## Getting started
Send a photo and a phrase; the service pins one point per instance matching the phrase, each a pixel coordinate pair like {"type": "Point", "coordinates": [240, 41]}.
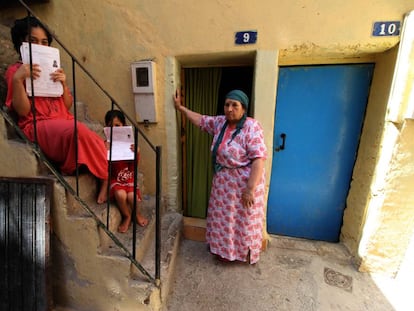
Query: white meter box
{"type": "Point", "coordinates": [144, 89]}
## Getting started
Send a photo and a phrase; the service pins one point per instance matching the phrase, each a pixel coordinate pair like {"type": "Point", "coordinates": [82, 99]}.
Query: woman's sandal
{"type": "Point", "coordinates": [222, 259]}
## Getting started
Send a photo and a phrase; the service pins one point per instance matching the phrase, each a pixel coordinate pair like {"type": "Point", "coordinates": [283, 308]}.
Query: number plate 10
{"type": "Point", "coordinates": [386, 29]}
{"type": "Point", "coordinates": [246, 37]}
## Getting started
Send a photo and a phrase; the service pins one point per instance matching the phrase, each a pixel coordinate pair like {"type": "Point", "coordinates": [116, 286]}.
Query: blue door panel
{"type": "Point", "coordinates": [320, 110]}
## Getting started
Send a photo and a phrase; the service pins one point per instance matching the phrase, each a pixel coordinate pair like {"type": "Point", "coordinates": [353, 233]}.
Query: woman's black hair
{"type": "Point", "coordinates": [111, 114]}
{"type": "Point", "coordinates": [20, 31]}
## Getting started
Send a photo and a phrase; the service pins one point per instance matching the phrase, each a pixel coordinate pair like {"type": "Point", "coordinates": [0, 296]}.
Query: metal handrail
{"type": "Point", "coordinates": [75, 193]}
{"type": "Point", "coordinates": [67, 186]}
{"type": "Point", "coordinates": [73, 57]}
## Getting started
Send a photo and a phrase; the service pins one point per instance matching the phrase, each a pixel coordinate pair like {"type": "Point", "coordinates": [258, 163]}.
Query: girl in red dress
{"type": "Point", "coordinates": [54, 123]}
{"type": "Point", "coordinates": [122, 180]}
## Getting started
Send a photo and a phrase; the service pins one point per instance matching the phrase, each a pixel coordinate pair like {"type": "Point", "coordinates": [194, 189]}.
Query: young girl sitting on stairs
{"type": "Point", "coordinates": [122, 180]}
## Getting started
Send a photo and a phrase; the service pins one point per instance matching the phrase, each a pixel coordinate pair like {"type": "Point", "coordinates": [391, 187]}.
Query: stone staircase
{"type": "Point", "coordinates": [88, 271]}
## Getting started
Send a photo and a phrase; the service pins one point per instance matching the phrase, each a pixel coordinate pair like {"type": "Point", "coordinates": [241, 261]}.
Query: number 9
{"type": "Point", "coordinates": [246, 37]}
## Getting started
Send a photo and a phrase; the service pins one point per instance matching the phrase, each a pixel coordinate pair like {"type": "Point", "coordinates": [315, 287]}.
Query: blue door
{"type": "Point", "coordinates": [318, 120]}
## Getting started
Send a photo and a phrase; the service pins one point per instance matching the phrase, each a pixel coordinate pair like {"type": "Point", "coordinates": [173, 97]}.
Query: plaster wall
{"type": "Point", "coordinates": [13, 155]}
{"type": "Point", "coordinates": [388, 226]}
{"type": "Point", "coordinates": [363, 185]}
{"type": "Point", "coordinates": [106, 36]}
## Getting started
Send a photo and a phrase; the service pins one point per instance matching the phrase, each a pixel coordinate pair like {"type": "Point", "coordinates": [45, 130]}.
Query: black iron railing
{"type": "Point", "coordinates": [130, 253]}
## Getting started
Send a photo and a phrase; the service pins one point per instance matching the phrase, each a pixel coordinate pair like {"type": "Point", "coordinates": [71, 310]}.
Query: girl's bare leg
{"type": "Point", "coordinates": [103, 192]}
{"type": "Point", "coordinates": [121, 201]}
{"type": "Point", "coordinates": [141, 219]}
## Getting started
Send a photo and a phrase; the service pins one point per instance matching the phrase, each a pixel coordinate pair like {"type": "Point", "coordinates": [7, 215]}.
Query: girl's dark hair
{"type": "Point", "coordinates": [111, 114]}
{"type": "Point", "coordinates": [21, 29]}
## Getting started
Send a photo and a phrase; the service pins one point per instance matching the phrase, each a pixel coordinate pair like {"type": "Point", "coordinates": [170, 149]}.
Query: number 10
{"type": "Point", "coordinates": [391, 29]}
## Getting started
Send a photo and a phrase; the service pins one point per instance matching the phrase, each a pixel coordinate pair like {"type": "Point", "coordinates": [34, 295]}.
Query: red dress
{"type": "Point", "coordinates": [55, 133]}
{"type": "Point", "coordinates": [122, 178]}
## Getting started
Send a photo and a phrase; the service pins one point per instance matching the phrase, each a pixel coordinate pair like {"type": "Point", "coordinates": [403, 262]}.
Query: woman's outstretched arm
{"type": "Point", "coordinates": [194, 117]}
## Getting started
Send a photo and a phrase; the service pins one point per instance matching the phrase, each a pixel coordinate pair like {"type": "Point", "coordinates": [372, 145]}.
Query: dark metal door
{"type": "Point", "coordinates": [24, 236]}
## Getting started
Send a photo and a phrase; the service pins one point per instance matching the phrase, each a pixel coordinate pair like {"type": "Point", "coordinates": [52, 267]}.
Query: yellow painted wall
{"type": "Point", "coordinates": [362, 191]}
{"type": "Point", "coordinates": [13, 154]}
{"type": "Point", "coordinates": [390, 227]}
{"type": "Point", "coordinates": [107, 35]}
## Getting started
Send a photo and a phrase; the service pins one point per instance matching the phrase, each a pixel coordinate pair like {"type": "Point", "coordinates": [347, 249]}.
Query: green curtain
{"type": "Point", "coordinates": [201, 95]}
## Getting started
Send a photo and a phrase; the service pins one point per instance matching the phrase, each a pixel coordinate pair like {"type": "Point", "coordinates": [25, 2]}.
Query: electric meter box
{"type": "Point", "coordinates": [144, 90]}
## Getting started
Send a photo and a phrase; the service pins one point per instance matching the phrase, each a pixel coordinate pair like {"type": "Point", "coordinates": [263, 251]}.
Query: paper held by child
{"type": "Point", "coordinates": [122, 139]}
{"type": "Point", "coordinates": [48, 58]}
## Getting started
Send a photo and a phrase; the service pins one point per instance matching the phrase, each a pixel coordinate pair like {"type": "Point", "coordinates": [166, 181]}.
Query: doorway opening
{"type": "Point", "coordinates": [204, 91]}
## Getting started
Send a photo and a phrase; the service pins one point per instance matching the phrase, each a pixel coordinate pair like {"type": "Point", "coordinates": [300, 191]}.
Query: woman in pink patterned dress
{"type": "Point", "coordinates": [236, 206]}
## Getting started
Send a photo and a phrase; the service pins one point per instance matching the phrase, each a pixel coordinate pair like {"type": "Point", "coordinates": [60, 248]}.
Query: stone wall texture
{"type": "Point", "coordinates": [106, 36]}
{"type": "Point", "coordinates": [7, 57]}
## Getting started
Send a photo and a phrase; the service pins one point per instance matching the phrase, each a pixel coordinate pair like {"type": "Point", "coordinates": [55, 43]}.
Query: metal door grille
{"type": "Point", "coordinates": [24, 236]}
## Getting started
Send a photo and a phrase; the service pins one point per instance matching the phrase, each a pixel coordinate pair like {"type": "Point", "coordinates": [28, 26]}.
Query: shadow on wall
{"type": "Point", "coordinates": [15, 3]}
{"type": "Point", "coordinates": [7, 56]}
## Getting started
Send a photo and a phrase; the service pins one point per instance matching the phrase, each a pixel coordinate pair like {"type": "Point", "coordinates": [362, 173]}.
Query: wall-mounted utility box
{"type": "Point", "coordinates": [144, 89]}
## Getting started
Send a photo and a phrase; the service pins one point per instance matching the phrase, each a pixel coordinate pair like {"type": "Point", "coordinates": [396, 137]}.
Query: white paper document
{"type": "Point", "coordinates": [48, 58]}
{"type": "Point", "coordinates": [122, 139]}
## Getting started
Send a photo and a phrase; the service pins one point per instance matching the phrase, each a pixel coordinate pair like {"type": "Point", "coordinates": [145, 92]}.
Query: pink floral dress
{"type": "Point", "coordinates": [232, 230]}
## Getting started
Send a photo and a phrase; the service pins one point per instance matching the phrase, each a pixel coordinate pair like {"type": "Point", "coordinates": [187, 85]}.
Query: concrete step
{"type": "Point", "coordinates": [171, 231]}
{"type": "Point", "coordinates": [143, 235]}
{"type": "Point", "coordinates": [87, 271]}
{"type": "Point", "coordinates": [87, 191]}
{"type": "Point", "coordinates": [86, 250]}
